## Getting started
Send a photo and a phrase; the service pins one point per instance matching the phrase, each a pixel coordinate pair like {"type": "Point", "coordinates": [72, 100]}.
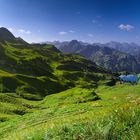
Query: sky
{"type": "Point", "coordinates": [63, 20]}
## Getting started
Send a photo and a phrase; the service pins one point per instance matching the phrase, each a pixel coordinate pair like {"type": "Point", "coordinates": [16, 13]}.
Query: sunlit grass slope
{"type": "Point", "coordinates": [78, 114]}
{"type": "Point", "coordinates": [34, 71]}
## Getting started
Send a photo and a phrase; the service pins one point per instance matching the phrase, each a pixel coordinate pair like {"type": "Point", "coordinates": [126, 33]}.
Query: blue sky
{"type": "Point", "coordinates": [85, 20]}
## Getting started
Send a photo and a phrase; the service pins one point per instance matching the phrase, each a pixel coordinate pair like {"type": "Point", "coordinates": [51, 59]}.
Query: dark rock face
{"type": "Point", "coordinates": [6, 35]}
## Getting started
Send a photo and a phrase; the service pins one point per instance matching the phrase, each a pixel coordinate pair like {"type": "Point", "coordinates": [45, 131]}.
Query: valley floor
{"type": "Point", "coordinates": [75, 114]}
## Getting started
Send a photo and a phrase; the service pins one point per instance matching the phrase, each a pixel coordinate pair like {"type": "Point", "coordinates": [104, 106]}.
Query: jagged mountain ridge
{"type": "Point", "coordinates": [104, 55]}
{"type": "Point", "coordinates": [130, 48]}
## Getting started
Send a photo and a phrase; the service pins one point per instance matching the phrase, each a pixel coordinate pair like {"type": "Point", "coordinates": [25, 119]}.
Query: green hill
{"type": "Point", "coordinates": [47, 95]}
{"type": "Point", "coordinates": [77, 113]}
{"type": "Point", "coordinates": [34, 70]}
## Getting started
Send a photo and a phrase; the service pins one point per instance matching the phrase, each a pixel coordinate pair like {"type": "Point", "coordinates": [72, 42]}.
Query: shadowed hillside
{"type": "Point", "coordinates": [34, 70]}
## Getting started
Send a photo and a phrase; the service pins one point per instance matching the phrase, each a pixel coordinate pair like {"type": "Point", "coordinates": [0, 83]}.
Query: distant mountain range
{"type": "Point", "coordinates": [115, 56]}
{"type": "Point", "coordinates": [130, 48]}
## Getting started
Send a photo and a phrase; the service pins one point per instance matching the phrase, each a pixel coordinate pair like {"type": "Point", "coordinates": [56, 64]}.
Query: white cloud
{"type": "Point", "coordinates": [24, 31]}
{"type": "Point", "coordinates": [90, 35]}
{"type": "Point", "coordinates": [62, 33]}
{"type": "Point", "coordinates": [21, 30]}
{"type": "Point", "coordinates": [10, 29]}
{"type": "Point", "coordinates": [71, 31]}
{"type": "Point", "coordinates": [28, 32]}
{"type": "Point", "coordinates": [126, 27]}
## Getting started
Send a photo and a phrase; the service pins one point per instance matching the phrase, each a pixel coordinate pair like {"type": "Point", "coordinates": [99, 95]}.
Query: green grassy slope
{"type": "Point", "coordinates": [34, 71]}
{"type": "Point", "coordinates": [77, 114]}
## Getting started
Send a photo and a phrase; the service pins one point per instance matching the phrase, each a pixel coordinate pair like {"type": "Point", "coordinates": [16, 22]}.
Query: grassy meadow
{"type": "Point", "coordinates": [108, 112]}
